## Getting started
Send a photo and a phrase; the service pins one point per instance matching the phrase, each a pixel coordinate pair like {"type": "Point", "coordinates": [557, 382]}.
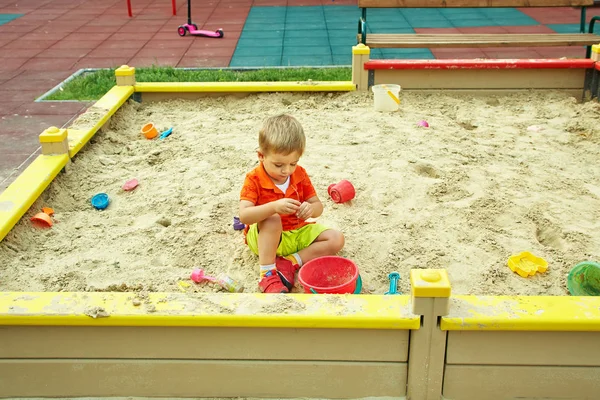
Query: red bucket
{"type": "Point", "coordinates": [330, 274]}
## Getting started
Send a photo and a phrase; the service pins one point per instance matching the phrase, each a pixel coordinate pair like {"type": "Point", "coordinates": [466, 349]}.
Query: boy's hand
{"type": "Point", "coordinates": [305, 211]}
{"type": "Point", "coordinates": [287, 206]}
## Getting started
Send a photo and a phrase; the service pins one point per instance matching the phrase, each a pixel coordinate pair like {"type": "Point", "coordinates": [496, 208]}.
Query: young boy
{"type": "Point", "coordinates": [276, 200]}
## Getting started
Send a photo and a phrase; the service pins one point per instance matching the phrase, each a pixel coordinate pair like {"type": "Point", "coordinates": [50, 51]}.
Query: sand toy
{"type": "Point", "coordinates": [130, 185]}
{"type": "Point", "coordinates": [42, 219]}
{"type": "Point", "coordinates": [394, 278]}
{"type": "Point", "coordinates": [342, 191]}
{"type": "Point", "coordinates": [165, 133]}
{"type": "Point", "coordinates": [237, 225]}
{"type": "Point", "coordinates": [100, 201]}
{"type": "Point", "coordinates": [223, 280]}
{"type": "Point", "coordinates": [526, 264]}
{"type": "Point", "coordinates": [584, 279]}
{"type": "Point", "coordinates": [149, 131]}
{"type": "Point", "coordinates": [330, 274]}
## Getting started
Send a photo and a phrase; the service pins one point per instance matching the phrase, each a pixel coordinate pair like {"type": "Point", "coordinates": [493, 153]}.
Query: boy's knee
{"type": "Point", "coordinates": [272, 223]}
{"type": "Point", "coordinates": [337, 241]}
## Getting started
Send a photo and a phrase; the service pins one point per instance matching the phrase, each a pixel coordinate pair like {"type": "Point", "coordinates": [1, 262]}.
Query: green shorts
{"type": "Point", "coordinates": [291, 241]}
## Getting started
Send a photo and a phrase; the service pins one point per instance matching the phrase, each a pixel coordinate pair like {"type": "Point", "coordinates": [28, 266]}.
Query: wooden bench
{"type": "Point", "coordinates": [388, 40]}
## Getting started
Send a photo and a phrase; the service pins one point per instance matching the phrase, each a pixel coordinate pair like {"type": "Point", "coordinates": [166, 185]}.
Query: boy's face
{"type": "Point", "coordinates": [279, 166]}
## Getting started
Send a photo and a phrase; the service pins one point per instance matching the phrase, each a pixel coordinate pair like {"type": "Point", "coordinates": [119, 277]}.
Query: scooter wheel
{"type": "Point", "coordinates": [220, 32]}
{"type": "Point", "coordinates": [195, 27]}
{"type": "Point", "coordinates": [181, 30]}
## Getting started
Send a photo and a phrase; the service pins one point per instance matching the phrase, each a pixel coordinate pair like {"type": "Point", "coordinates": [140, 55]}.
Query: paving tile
{"type": "Point", "coordinates": [9, 108]}
{"type": "Point", "coordinates": [9, 64]}
{"type": "Point", "coordinates": [264, 42]}
{"type": "Point", "coordinates": [482, 29]}
{"type": "Point", "coordinates": [262, 50]}
{"type": "Point", "coordinates": [342, 59]}
{"type": "Point", "coordinates": [52, 108]}
{"type": "Point", "coordinates": [188, 62]}
{"type": "Point", "coordinates": [25, 84]}
{"type": "Point", "coordinates": [306, 51]}
{"type": "Point", "coordinates": [133, 27]}
{"type": "Point", "coordinates": [11, 165]}
{"type": "Point", "coordinates": [446, 54]}
{"type": "Point", "coordinates": [306, 60]}
{"type": "Point", "coordinates": [312, 42]}
{"type": "Point", "coordinates": [111, 53]}
{"type": "Point", "coordinates": [19, 53]}
{"type": "Point", "coordinates": [161, 53]}
{"type": "Point", "coordinates": [49, 64]}
{"type": "Point", "coordinates": [18, 95]}
{"type": "Point", "coordinates": [510, 53]}
{"type": "Point", "coordinates": [122, 44]}
{"type": "Point", "coordinates": [211, 51]}
{"type": "Point", "coordinates": [565, 28]}
{"type": "Point", "coordinates": [256, 61]}
{"type": "Point", "coordinates": [63, 53]}
{"type": "Point", "coordinates": [407, 54]}
{"type": "Point", "coordinates": [76, 44]}
{"type": "Point", "coordinates": [45, 35]}
{"type": "Point", "coordinates": [8, 75]}
{"type": "Point", "coordinates": [528, 29]}
{"type": "Point", "coordinates": [129, 36]}
{"type": "Point", "coordinates": [150, 61]}
{"type": "Point", "coordinates": [29, 44]}
{"type": "Point", "coordinates": [168, 44]}
{"type": "Point", "coordinates": [109, 62]}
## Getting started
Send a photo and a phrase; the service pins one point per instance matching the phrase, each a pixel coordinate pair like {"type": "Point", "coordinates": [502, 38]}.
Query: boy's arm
{"type": "Point", "coordinates": [251, 214]}
{"type": "Point", "coordinates": [317, 206]}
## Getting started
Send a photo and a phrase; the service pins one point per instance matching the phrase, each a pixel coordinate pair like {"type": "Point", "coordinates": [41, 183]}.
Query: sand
{"type": "Point", "coordinates": [492, 176]}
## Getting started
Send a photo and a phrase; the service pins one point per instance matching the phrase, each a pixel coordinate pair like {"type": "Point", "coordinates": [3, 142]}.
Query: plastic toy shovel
{"type": "Point", "coordinates": [394, 278]}
{"type": "Point", "coordinates": [165, 133]}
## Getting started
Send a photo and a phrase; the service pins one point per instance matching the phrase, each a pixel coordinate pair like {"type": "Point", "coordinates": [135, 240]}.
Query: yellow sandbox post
{"type": "Point", "coordinates": [54, 141]}
{"type": "Point", "coordinates": [360, 76]}
{"type": "Point", "coordinates": [430, 293]}
{"type": "Point", "coordinates": [595, 52]}
{"type": "Point", "coordinates": [125, 75]}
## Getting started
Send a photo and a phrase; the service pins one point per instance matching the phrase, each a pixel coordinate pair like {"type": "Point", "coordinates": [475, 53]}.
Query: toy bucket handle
{"type": "Point", "coordinates": [357, 290]}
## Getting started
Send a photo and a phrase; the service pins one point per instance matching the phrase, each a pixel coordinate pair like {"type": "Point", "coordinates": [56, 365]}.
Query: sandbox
{"type": "Point", "coordinates": [101, 303]}
{"type": "Point", "coordinates": [463, 194]}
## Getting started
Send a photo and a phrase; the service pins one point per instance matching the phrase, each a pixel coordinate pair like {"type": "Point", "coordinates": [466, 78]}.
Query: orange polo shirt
{"type": "Point", "coordinates": [259, 189]}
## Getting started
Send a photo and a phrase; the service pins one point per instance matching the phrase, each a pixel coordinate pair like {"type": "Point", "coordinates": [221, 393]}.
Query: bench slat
{"type": "Point", "coordinates": [472, 3]}
{"type": "Point", "coordinates": [389, 40]}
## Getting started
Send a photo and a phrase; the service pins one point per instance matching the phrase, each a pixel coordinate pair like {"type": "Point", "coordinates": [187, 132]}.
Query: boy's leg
{"type": "Point", "coordinates": [263, 239]}
{"type": "Point", "coordinates": [328, 243]}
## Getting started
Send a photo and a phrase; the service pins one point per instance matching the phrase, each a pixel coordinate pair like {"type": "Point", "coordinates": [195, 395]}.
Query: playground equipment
{"type": "Point", "coordinates": [192, 28]}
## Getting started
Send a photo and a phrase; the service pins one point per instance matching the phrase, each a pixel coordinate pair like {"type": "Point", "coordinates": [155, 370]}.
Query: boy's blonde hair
{"type": "Point", "coordinates": [281, 134]}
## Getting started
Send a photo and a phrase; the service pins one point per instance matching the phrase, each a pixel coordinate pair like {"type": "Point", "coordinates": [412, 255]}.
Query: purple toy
{"type": "Point", "coordinates": [423, 124]}
{"type": "Point", "coordinates": [237, 225]}
{"type": "Point", "coordinates": [193, 28]}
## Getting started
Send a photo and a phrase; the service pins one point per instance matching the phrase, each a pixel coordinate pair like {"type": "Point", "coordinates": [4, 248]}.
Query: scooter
{"type": "Point", "coordinates": [192, 28]}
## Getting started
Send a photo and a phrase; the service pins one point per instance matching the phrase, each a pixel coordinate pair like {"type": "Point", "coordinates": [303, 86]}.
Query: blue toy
{"type": "Point", "coordinates": [394, 278]}
{"type": "Point", "coordinates": [100, 201]}
{"type": "Point", "coordinates": [165, 133]}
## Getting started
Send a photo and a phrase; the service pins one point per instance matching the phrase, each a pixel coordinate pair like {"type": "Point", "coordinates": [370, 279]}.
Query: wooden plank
{"type": "Point", "coordinates": [523, 348]}
{"type": "Point", "coordinates": [471, 3]}
{"type": "Point", "coordinates": [177, 378]}
{"type": "Point", "coordinates": [478, 382]}
{"type": "Point", "coordinates": [461, 79]}
{"type": "Point", "coordinates": [390, 40]}
{"type": "Point", "coordinates": [191, 343]}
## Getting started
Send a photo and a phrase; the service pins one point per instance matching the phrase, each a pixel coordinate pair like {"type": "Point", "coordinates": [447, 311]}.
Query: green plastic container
{"type": "Point", "coordinates": [584, 279]}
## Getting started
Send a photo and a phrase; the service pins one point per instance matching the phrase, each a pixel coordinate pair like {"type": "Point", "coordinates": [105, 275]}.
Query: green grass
{"type": "Point", "coordinates": [93, 85]}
